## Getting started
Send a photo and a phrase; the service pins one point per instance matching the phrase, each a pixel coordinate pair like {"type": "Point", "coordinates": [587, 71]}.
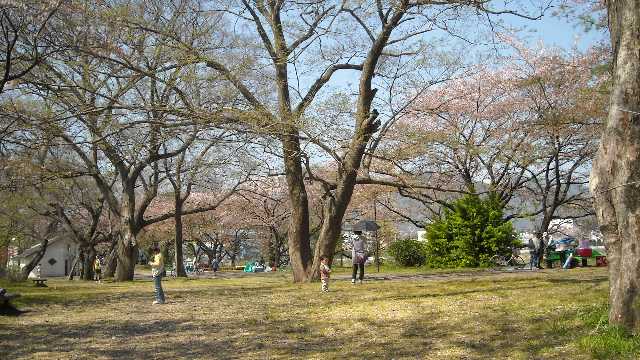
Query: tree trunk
{"type": "Point", "coordinates": [51, 227]}
{"type": "Point", "coordinates": [329, 234]}
{"type": "Point", "coordinates": [87, 263]}
{"type": "Point", "coordinates": [235, 249]}
{"type": "Point", "coordinates": [209, 251]}
{"type": "Point", "coordinates": [335, 207]}
{"type": "Point", "coordinates": [270, 249]}
{"type": "Point", "coordinates": [179, 256]}
{"type": "Point", "coordinates": [220, 254]}
{"type": "Point", "coordinates": [127, 254]}
{"type": "Point", "coordinates": [127, 246]}
{"type": "Point", "coordinates": [4, 258]}
{"type": "Point", "coordinates": [616, 169]}
{"type": "Point", "coordinates": [36, 259]}
{"type": "Point", "coordinates": [367, 124]}
{"type": "Point", "coordinates": [544, 227]}
{"type": "Point", "coordinates": [298, 236]}
{"type": "Point", "coordinates": [111, 260]}
{"type": "Point", "coordinates": [276, 241]}
{"type": "Point", "coordinates": [76, 260]}
{"type": "Point", "coordinates": [540, 251]}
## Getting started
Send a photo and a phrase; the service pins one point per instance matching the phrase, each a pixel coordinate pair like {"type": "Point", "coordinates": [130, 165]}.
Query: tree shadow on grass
{"type": "Point", "coordinates": [427, 294]}
{"type": "Point", "coordinates": [593, 280]}
{"type": "Point", "coordinates": [498, 336]}
{"type": "Point", "coordinates": [283, 321]}
{"type": "Point", "coordinates": [106, 295]}
{"type": "Point", "coordinates": [120, 339]}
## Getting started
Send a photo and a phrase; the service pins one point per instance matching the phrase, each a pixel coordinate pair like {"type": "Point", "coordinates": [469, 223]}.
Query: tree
{"type": "Point", "coordinates": [134, 114]}
{"type": "Point", "coordinates": [28, 202]}
{"type": "Point", "coordinates": [265, 206]}
{"type": "Point", "coordinates": [568, 96]}
{"type": "Point", "coordinates": [383, 46]}
{"type": "Point", "coordinates": [616, 169]}
{"type": "Point", "coordinates": [205, 234]}
{"type": "Point", "coordinates": [81, 215]}
{"type": "Point", "coordinates": [523, 129]}
{"type": "Point", "coordinates": [286, 118]}
{"type": "Point", "coordinates": [190, 169]}
{"type": "Point", "coordinates": [26, 37]}
{"type": "Point", "coordinates": [126, 80]}
{"type": "Point", "coordinates": [470, 234]}
{"type": "Point", "coordinates": [288, 33]}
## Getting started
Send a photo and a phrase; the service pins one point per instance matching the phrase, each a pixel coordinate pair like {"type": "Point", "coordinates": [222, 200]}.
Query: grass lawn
{"type": "Point", "coordinates": [550, 314]}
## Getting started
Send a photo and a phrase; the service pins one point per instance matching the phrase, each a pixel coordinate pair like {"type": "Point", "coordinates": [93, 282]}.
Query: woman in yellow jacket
{"type": "Point", "coordinates": [157, 267]}
{"type": "Point", "coordinates": [97, 270]}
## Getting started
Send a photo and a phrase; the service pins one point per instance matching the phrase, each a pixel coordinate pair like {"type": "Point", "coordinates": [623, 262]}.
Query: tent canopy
{"type": "Point", "coordinates": [365, 225]}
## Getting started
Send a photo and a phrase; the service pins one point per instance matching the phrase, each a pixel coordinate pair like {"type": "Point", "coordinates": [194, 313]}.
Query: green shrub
{"type": "Point", "coordinates": [408, 252]}
{"type": "Point", "coordinates": [13, 273]}
{"type": "Point", "coordinates": [469, 234]}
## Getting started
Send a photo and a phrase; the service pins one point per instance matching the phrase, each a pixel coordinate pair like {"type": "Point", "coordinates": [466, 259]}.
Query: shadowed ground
{"type": "Point", "coordinates": [474, 315]}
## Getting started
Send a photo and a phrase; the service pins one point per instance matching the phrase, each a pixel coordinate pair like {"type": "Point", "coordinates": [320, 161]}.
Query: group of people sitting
{"type": "Point", "coordinates": [258, 266]}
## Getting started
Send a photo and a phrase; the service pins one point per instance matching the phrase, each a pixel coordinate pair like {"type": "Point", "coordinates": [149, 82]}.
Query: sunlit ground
{"type": "Point", "coordinates": [476, 315]}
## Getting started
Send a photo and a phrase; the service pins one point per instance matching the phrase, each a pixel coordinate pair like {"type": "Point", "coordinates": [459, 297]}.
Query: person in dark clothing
{"type": "Point", "coordinates": [215, 265]}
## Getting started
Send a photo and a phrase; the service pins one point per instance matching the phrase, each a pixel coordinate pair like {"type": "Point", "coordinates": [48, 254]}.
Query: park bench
{"type": "Point", "coordinates": [40, 282]}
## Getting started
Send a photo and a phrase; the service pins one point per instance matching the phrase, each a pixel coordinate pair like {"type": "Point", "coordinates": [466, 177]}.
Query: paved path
{"type": "Point", "coordinates": [454, 275]}
{"type": "Point", "coordinates": [142, 274]}
{"type": "Point", "coordinates": [373, 276]}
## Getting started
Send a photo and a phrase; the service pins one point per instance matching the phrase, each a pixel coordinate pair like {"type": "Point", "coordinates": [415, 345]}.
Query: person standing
{"type": "Point", "coordinates": [325, 270]}
{"type": "Point", "coordinates": [215, 266]}
{"type": "Point", "coordinates": [359, 256]}
{"type": "Point", "coordinates": [538, 246]}
{"type": "Point", "coordinates": [157, 267]}
{"type": "Point", "coordinates": [534, 252]}
{"type": "Point", "coordinates": [97, 270]}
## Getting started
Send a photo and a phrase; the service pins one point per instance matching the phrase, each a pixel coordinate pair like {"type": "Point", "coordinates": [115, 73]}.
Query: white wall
{"type": "Point", "coordinates": [60, 250]}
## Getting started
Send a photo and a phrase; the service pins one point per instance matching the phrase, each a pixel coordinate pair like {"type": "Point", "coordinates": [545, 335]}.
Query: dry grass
{"type": "Point", "coordinates": [478, 315]}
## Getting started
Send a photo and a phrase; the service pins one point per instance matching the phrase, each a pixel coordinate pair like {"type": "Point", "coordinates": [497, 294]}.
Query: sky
{"type": "Point", "coordinates": [550, 31]}
{"type": "Point", "coordinates": [555, 31]}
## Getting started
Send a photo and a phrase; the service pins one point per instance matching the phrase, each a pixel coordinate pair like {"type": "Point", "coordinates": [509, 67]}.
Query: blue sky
{"type": "Point", "coordinates": [551, 30]}
{"type": "Point", "coordinates": [556, 31]}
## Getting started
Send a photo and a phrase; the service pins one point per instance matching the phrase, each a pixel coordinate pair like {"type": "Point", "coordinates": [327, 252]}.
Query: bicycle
{"type": "Point", "coordinates": [515, 260]}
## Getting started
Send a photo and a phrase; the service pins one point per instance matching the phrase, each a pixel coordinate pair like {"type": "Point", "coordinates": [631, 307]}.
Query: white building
{"type": "Point", "coordinates": [57, 259]}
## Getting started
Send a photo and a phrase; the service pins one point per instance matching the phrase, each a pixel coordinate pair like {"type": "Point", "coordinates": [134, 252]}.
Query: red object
{"type": "Point", "coordinates": [584, 252]}
{"type": "Point", "coordinates": [601, 261]}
